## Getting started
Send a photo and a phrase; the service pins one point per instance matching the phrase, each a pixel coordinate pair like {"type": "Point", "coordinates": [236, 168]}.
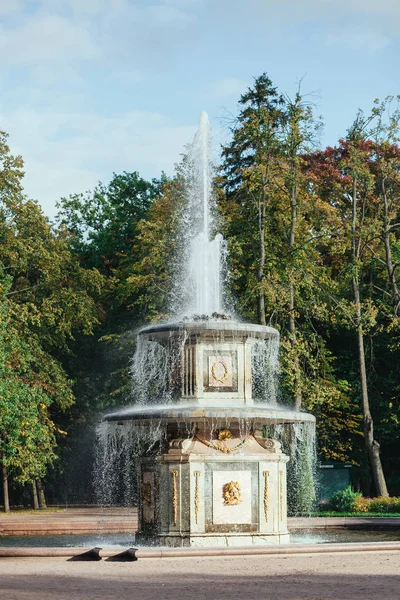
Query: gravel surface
{"type": "Point", "coordinates": [363, 576]}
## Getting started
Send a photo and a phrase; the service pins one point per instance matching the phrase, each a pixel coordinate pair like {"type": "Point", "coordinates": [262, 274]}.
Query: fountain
{"type": "Point", "coordinates": [202, 438]}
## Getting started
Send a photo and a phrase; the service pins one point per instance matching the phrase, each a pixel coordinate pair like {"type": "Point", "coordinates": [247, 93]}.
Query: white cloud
{"type": "Point", "coordinates": [70, 152]}
{"type": "Point", "coordinates": [225, 88]}
{"type": "Point", "coordinates": [47, 39]}
{"type": "Point", "coordinates": [390, 8]}
{"type": "Point", "coordinates": [337, 7]}
{"type": "Point", "coordinates": [358, 39]}
{"type": "Point", "coordinates": [69, 60]}
{"type": "Point", "coordinates": [10, 6]}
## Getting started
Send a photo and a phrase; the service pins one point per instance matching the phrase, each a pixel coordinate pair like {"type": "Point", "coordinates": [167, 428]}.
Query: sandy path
{"type": "Point", "coordinates": [363, 576]}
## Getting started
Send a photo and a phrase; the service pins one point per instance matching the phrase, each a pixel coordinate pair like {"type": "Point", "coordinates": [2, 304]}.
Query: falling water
{"type": "Point", "coordinates": [154, 370]}
{"type": "Point", "coordinates": [199, 294]}
{"type": "Point", "coordinates": [116, 460]}
{"type": "Point", "coordinates": [265, 370]}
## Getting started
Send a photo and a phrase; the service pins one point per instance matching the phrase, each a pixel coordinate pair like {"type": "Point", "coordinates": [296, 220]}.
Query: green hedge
{"type": "Point", "coordinates": [348, 500]}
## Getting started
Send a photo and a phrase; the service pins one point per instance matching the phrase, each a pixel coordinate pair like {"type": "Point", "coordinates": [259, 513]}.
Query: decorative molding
{"type": "Point", "coordinates": [220, 378]}
{"type": "Point", "coordinates": [180, 443]}
{"type": "Point", "coordinates": [232, 493]}
{"type": "Point", "coordinates": [268, 444]}
{"type": "Point", "coordinates": [266, 494]}
{"type": "Point", "coordinates": [174, 475]}
{"type": "Point", "coordinates": [196, 496]}
{"type": "Point", "coordinates": [220, 370]}
{"type": "Point", "coordinates": [220, 445]}
{"type": "Point", "coordinates": [224, 434]}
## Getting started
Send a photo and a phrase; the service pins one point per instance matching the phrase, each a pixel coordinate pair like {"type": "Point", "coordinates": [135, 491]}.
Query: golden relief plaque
{"type": "Point", "coordinates": [232, 493]}
{"type": "Point", "coordinates": [224, 434]}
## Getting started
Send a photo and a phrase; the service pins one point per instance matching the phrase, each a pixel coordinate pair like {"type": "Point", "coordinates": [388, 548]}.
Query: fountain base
{"type": "Point", "coordinates": [208, 475]}
{"type": "Point", "coordinates": [214, 489]}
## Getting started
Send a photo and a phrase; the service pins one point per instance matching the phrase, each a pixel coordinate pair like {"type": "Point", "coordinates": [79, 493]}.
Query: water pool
{"type": "Point", "coordinates": [126, 540]}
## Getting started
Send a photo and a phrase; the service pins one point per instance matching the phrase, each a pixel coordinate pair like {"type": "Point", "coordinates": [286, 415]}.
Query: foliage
{"type": "Point", "coordinates": [72, 297]}
{"type": "Point", "coordinates": [103, 222]}
{"type": "Point", "coordinates": [46, 299]}
{"type": "Point", "coordinates": [344, 500]}
{"type": "Point", "coordinates": [384, 505]}
{"type": "Point", "coordinates": [270, 137]}
{"type": "Point", "coordinates": [354, 502]}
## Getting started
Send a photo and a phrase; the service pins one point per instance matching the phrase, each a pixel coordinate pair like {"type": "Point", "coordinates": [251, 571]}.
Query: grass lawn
{"type": "Point", "coordinates": [332, 513]}
{"type": "Point", "coordinates": [16, 510]}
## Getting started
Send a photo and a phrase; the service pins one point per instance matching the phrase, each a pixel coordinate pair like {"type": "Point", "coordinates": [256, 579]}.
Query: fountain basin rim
{"type": "Point", "coordinates": [200, 413]}
{"type": "Point", "coordinates": [228, 327]}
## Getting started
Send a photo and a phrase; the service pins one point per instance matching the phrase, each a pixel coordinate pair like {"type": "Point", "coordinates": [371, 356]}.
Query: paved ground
{"type": "Point", "coordinates": [69, 521]}
{"type": "Point", "coordinates": [313, 577]}
{"type": "Point", "coordinates": [72, 512]}
{"type": "Point", "coordinates": [96, 520]}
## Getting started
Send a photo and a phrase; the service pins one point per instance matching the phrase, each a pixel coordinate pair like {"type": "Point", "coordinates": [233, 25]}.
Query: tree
{"type": "Point", "coordinates": [250, 162]}
{"type": "Point", "coordinates": [27, 435]}
{"type": "Point", "coordinates": [103, 222]}
{"type": "Point", "coordinates": [385, 166]}
{"type": "Point", "coordinates": [345, 179]}
{"type": "Point", "coordinates": [46, 299]}
{"type": "Point", "coordinates": [297, 229]}
{"type": "Point", "coordinates": [299, 134]}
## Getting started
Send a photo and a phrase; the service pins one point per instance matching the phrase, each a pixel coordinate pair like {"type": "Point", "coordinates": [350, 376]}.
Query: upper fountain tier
{"type": "Point", "coordinates": [213, 366]}
{"type": "Point", "coordinates": [216, 359]}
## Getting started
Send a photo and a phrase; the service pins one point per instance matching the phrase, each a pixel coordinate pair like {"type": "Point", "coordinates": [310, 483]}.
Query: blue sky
{"type": "Point", "coordinates": [92, 87]}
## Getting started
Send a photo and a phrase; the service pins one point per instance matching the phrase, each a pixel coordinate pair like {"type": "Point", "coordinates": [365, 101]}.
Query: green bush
{"type": "Point", "coordinates": [345, 500]}
{"type": "Point", "coordinates": [350, 501]}
{"type": "Point", "coordinates": [384, 505]}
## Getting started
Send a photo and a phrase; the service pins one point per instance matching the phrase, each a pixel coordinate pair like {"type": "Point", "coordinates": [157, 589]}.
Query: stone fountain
{"type": "Point", "coordinates": [208, 472]}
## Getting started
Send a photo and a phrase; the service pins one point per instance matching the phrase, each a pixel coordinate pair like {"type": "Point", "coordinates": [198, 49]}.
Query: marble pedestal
{"type": "Point", "coordinates": [214, 489]}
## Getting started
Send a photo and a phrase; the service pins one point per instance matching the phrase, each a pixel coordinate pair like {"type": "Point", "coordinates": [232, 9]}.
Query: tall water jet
{"type": "Point", "coordinates": [204, 437]}
{"type": "Point", "coordinates": [200, 274]}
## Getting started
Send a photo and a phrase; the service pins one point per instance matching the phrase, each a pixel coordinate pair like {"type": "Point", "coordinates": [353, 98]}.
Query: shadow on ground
{"type": "Point", "coordinates": [107, 586]}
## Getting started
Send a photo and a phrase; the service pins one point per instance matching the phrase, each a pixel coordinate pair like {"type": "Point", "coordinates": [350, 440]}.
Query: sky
{"type": "Point", "coordinates": [93, 87]}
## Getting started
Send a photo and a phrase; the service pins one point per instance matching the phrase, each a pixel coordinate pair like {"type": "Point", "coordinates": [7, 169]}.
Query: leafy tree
{"type": "Point", "coordinates": [249, 168]}
{"type": "Point", "coordinates": [27, 434]}
{"type": "Point", "coordinates": [300, 131]}
{"type": "Point", "coordinates": [46, 299]}
{"type": "Point", "coordinates": [346, 178]}
{"type": "Point", "coordinates": [296, 225]}
{"type": "Point", "coordinates": [103, 222]}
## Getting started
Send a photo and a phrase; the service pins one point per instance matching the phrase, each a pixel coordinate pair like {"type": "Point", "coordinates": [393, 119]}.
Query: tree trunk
{"type": "Point", "coordinates": [35, 496]}
{"type": "Point", "coordinates": [292, 323]}
{"type": "Point", "coordinates": [372, 445]}
{"type": "Point", "coordinates": [5, 489]}
{"type": "Point", "coordinates": [261, 264]}
{"type": "Point", "coordinates": [388, 252]}
{"type": "Point", "coordinates": [373, 448]}
{"type": "Point", "coordinates": [42, 497]}
{"type": "Point", "coordinates": [292, 330]}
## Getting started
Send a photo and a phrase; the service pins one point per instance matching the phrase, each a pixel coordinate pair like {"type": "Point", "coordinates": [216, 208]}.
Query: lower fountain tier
{"type": "Point", "coordinates": [214, 488]}
{"type": "Point", "coordinates": [209, 476]}
{"type": "Point", "coordinates": [256, 415]}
